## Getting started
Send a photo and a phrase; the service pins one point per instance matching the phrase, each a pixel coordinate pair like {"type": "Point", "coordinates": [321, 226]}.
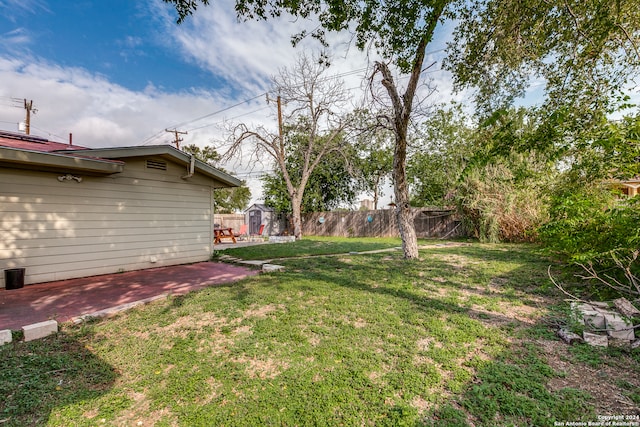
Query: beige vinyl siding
{"type": "Point", "coordinates": [132, 220]}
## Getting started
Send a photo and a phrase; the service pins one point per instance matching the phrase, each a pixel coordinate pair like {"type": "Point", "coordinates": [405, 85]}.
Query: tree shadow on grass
{"type": "Point", "coordinates": [508, 389]}
{"type": "Point", "coordinates": [40, 377]}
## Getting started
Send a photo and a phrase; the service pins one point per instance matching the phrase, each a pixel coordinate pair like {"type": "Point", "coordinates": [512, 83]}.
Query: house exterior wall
{"type": "Point", "coordinates": [136, 219]}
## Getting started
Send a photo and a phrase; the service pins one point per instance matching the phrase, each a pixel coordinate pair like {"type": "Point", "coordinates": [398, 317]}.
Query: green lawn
{"type": "Point", "coordinates": [457, 338]}
{"type": "Point", "coordinates": [314, 246]}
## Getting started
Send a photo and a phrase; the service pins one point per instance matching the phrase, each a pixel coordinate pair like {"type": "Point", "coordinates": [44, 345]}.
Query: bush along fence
{"type": "Point", "coordinates": [382, 223]}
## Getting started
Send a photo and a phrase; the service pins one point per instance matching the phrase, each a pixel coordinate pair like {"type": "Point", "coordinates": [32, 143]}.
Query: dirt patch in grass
{"type": "Point", "coordinates": [261, 312]}
{"type": "Point", "coordinates": [262, 368]}
{"type": "Point", "coordinates": [601, 382]}
{"type": "Point", "coordinates": [421, 404]}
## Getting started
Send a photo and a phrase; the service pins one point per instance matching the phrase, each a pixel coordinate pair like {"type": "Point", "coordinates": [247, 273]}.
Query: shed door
{"type": "Point", "coordinates": [255, 219]}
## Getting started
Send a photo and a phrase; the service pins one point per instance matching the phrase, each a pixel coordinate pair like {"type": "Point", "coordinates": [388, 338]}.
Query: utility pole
{"type": "Point", "coordinates": [280, 120]}
{"type": "Point", "coordinates": [280, 129]}
{"type": "Point", "coordinates": [29, 107]}
{"type": "Point", "coordinates": [177, 140]}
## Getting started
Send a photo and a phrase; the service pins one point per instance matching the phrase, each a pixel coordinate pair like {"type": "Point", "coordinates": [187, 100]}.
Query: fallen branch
{"type": "Point", "coordinates": [568, 336]}
{"type": "Point", "coordinates": [624, 264]}
{"type": "Point", "coordinates": [573, 297]}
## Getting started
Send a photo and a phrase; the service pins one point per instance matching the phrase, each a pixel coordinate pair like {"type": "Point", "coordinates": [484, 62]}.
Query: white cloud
{"type": "Point", "coordinates": [13, 8]}
{"type": "Point", "coordinates": [15, 38]}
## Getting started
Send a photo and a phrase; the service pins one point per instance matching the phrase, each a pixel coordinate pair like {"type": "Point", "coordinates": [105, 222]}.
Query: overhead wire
{"type": "Point", "coordinates": [156, 135]}
{"type": "Point", "coordinates": [230, 118]}
{"type": "Point", "coordinates": [185, 123]}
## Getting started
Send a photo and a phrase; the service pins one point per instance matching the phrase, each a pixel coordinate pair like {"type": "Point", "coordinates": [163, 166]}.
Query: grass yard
{"type": "Point", "coordinates": [313, 247]}
{"type": "Point", "coordinates": [458, 338]}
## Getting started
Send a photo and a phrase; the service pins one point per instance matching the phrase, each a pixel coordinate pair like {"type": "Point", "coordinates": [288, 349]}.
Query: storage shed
{"type": "Point", "coordinates": [258, 214]}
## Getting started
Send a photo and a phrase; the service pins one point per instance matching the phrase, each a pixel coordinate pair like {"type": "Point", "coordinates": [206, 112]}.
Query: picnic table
{"type": "Point", "coordinates": [223, 233]}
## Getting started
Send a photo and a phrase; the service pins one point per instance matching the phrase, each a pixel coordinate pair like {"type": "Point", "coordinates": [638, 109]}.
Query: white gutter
{"type": "Point", "coordinates": [192, 167]}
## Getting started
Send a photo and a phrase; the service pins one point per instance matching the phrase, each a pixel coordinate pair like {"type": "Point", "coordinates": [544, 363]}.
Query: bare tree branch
{"type": "Point", "coordinates": [315, 107]}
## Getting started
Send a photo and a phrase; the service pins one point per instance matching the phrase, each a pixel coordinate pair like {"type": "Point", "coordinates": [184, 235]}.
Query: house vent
{"type": "Point", "coordinates": [157, 164]}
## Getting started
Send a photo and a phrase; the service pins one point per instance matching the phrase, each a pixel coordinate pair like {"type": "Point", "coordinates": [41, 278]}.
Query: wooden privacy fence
{"type": "Point", "coordinates": [381, 223]}
{"type": "Point", "coordinates": [229, 221]}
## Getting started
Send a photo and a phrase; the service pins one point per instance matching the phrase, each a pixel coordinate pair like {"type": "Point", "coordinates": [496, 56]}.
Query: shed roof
{"type": "Point", "coordinates": [260, 206]}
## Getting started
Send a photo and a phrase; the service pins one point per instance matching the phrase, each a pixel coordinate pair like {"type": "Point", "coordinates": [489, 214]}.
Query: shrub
{"type": "Point", "coordinates": [497, 207]}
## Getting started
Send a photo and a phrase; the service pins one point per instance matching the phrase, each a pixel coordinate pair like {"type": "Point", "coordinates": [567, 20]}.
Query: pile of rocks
{"type": "Point", "coordinates": [605, 324]}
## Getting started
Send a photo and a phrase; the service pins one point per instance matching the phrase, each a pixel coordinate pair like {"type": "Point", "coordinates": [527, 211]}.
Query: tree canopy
{"type": "Point", "coordinates": [394, 28]}
{"type": "Point", "coordinates": [330, 185]}
{"type": "Point", "coordinates": [584, 52]}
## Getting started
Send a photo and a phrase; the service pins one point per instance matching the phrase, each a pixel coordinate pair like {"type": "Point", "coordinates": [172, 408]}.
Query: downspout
{"type": "Point", "coordinates": [192, 167]}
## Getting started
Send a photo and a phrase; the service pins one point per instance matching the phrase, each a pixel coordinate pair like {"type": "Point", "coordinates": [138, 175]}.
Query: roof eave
{"type": "Point", "coordinates": [163, 151]}
{"type": "Point", "coordinates": [57, 162]}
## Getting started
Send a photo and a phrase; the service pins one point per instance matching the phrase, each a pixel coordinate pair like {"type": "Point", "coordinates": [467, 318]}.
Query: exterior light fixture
{"type": "Point", "coordinates": [69, 177]}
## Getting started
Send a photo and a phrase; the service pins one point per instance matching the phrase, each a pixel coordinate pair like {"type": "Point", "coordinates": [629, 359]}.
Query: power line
{"type": "Point", "coordinates": [339, 75]}
{"type": "Point", "coordinates": [231, 118]}
{"type": "Point", "coordinates": [219, 111]}
{"type": "Point", "coordinates": [156, 135]}
{"type": "Point", "coordinates": [50, 134]}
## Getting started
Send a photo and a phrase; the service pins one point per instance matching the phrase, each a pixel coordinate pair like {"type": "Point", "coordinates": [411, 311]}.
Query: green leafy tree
{"type": "Point", "coordinates": [330, 185]}
{"type": "Point", "coordinates": [584, 52]}
{"type": "Point", "coordinates": [591, 224]}
{"type": "Point", "coordinates": [439, 155]}
{"type": "Point", "coordinates": [373, 160]}
{"type": "Point", "coordinates": [227, 200]}
{"type": "Point", "coordinates": [375, 168]}
{"type": "Point", "coordinates": [502, 189]}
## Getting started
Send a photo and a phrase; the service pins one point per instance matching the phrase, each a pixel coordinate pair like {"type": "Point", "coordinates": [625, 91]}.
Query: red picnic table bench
{"type": "Point", "coordinates": [223, 233]}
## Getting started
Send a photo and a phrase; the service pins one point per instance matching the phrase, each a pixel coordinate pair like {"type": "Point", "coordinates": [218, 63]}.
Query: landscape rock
{"type": "Point", "coordinates": [568, 336]}
{"type": "Point", "coordinates": [617, 343]}
{"type": "Point", "coordinates": [282, 239]}
{"type": "Point", "coordinates": [593, 319]}
{"type": "Point", "coordinates": [39, 330]}
{"type": "Point", "coordinates": [5, 336]}
{"type": "Point", "coordinates": [626, 308]}
{"type": "Point", "coordinates": [272, 267]}
{"type": "Point", "coordinates": [618, 327]}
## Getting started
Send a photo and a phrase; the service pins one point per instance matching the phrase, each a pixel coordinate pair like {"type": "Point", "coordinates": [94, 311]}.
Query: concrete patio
{"type": "Point", "coordinates": [71, 299]}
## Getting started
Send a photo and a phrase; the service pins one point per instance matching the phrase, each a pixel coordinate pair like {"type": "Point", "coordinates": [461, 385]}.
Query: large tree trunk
{"type": "Point", "coordinates": [402, 107]}
{"type": "Point", "coordinates": [296, 207]}
{"type": "Point", "coordinates": [404, 215]}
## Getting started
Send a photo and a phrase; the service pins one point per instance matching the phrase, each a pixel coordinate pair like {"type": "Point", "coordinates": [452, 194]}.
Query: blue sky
{"type": "Point", "coordinates": [119, 72]}
{"type": "Point", "coordinates": [119, 39]}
